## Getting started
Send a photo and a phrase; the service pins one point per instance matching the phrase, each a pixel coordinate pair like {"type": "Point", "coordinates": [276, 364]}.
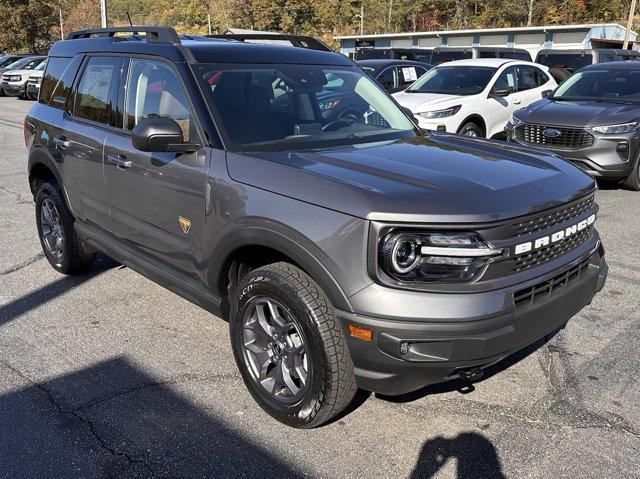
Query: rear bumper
{"type": "Point", "coordinates": [407, 355]}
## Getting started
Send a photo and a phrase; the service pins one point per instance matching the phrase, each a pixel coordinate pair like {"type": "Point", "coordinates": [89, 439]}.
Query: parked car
{"type": "Point", "coordinates": [592, 119]}
{"type": "Point", "coordinates": [475, 97]}
{"type": "Point", "coordinates": [18, 62]}
{"type": "Point", "coordinates": [6, 60]}
{"type": "Point", "coordinates": [344, 253]}
{"type": "Point", "coordinates": [394, 75]}
{"type": "Point", "coordinates": [573, 60]}
{"type": "Point", "coordinates": [14, 78]}
{"type": "Point", "coordinates": [446, 54]}
{"type": "Point", "coordinates": [414, 54]}
{"type": "Point", "coordinates": [34, 81]}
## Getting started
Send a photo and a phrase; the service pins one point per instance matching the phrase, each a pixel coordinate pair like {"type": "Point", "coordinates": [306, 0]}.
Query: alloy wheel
{"type": "Point", "coordinates": [52, 232]}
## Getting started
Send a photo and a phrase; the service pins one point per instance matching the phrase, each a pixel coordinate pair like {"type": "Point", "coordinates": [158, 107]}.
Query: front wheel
{"type": "Point", "coordinates": [289, 347]}
{"type": "Point", "coordinates": [633, 180]}
{"type": "Point", "coordinates": [471, 129]}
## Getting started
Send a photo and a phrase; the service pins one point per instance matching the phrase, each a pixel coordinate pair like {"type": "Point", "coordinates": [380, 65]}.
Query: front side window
{"type": "Point", "coordinates": [508, 80]}
{"type": "Point", "coordinates": [389, 78]}
{"type": "Point", "coordinates": [621, 86]}
{"type": "Point", "coordinates": [454, 80]}
{"type": "Point", "coordinates": [154, 89]}
{"type": "Point", "coordinates": [96, 97]}
{"type": "Point", "coordinates": [278, 107]}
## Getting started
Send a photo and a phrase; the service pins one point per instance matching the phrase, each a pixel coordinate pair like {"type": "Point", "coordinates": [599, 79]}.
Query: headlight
{"type": "Point", "coordinates": [621, 128]}
{"type": "Point", "coordinates": [15, 78]}
{"type": "Point", "coordinates": [327, 105]}
{"type": "Point", "coordinates": [515, 121]}
{"type": "Point", "coordinates": [441, 113]}
{"type": "Point", "coordinates": [430, 257]}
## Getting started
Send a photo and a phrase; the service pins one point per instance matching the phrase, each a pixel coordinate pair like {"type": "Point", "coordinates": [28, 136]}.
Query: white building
{"type": "Point", "coordinates": [533, 39]}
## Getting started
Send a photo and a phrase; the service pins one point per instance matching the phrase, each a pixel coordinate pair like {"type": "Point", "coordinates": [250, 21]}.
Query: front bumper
{"type": "Point", "coordinates": [603, 159]}
{"type": "Point", "coordinates": [13, 88]}
{"type": "Point", "coordinates": [407, 355]}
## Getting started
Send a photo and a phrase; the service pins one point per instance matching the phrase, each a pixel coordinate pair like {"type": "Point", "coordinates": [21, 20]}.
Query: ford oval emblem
{"type": "Point", "coordinates": [551, 133]}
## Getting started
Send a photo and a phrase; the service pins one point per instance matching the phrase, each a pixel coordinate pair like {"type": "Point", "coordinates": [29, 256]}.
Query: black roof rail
{"type": "Point", "coordinates": [301, 41]}
{"type": "Point", "coordinates": [153, 34]}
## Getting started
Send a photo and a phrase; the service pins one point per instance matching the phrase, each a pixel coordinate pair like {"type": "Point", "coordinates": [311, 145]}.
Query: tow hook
{"type": "Point", "coordinates": [472, 375]}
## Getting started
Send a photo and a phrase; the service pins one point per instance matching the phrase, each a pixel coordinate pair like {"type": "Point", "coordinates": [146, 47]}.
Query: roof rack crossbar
{"type": "Point", "coordinates": [301, 41]}
{"type": "Point", "coordinates": [154, 34]}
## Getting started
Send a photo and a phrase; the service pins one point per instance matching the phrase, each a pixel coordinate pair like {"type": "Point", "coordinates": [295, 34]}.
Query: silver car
{"type": "Point", "coordinates": [14, 79]}
{"type": "Point", "coordinates": [592, 119]}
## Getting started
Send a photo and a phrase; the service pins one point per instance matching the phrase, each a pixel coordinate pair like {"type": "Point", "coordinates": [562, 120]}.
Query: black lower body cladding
{"type": "Point", "coordinates": [407, 355]}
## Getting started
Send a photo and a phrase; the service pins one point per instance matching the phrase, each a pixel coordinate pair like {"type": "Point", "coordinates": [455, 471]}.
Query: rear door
{"type": "Point", "coordinates": [532, 83]}
{"type": "Point", "coordinates": [157, 200]}
{"type": "Point", "coordinates": [90, 113]}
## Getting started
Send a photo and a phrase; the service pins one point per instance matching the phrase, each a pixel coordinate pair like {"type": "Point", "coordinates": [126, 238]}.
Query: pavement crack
{"type": "Point", "coordinates": [23, 264]}
{"type": "Point", "coordinates": [18, 196]}
{"type": "Point", "coordinates": [88, 423]}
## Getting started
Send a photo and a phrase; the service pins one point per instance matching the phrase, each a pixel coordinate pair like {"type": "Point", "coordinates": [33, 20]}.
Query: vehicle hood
{"type": "Point", "coordinates": [441, 178]}
{"type": "Point", "coordinates": [36, 74]}
{"type": "Point", "coordinates": [578, 113]}
{"type": "Point", "coordinates": [17, 72]}
{"type": "Point", "coordinates": [419, 102]}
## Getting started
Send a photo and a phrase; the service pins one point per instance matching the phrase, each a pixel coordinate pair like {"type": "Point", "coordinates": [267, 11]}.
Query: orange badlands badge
{"type": "Point", "coordinates": [185, 224]}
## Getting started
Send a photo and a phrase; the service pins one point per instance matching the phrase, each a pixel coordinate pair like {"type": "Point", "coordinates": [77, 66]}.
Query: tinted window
{"type": "Point", "coordinates": [531, 77]}
{"type": "Point", "coordinates": [96, 98]}
{"type": "Point", "coordinates": [443, 56]}
{"type": "Point", "coordinates": [153, 89]}
{"type": "Point", "coordinates": [508, 80]}
{"type": "Point", "coordinates": [486, 54]}
{"type": "Point", "coordinates": [388, 78]}
{"type": "Point", "coordinates": [516, 55]}
{"type": "Point", "coordinates": [58, 80]}
{"type": "Point", "coordinates": [569, 61]}
{"type": "Point", "coordinates": [6, 61]}
{"type": "Point", "coordinates": [460, 80]}
{"type": "Point", "coordinates": [20, 64]}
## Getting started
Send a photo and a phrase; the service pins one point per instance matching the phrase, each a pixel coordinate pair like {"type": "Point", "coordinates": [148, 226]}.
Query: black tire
{"type": "Point", "coordinates": [73, 258]}
{"type": "Point", "coordinates": [330, 385]}
{"type": "Point", "coordinates": [632, 181]}
{"type": "Point", "coordinates": [471, 129]}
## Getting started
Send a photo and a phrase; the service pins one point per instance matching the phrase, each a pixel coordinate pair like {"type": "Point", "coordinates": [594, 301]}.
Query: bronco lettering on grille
{"type": "Point", "coordinates": [555, 237]}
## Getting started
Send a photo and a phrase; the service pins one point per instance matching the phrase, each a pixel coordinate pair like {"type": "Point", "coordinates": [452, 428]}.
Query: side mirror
{"type": "Point", "coordinates": [160, 134]}
{"type": "Point", "coordinates": [547, 93]}
{"type": "Point", "coordinates": [501, 92]}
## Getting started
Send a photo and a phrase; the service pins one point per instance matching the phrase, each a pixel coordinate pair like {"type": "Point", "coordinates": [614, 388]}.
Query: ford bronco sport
{"type": "Point", "coordinates": [346, 252]}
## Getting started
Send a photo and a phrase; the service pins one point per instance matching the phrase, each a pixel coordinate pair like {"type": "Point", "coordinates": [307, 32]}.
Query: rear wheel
{"type": "Point", "coordinates": [471, 129]}
{"type": "Point", "coordinates": [289, 347]}
{"type": "Point", "coordinates": [57, 233]}
{"type": "Point", "coordinates": [633, 180]}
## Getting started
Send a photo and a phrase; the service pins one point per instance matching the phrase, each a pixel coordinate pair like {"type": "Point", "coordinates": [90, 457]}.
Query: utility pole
{"type": "Point", "coordinates": [632, 12]}
{"type": "Point", "coordinates": [61, 27]}
{"type": "Point", "coordinates": [361, 19]}
{"type": "Point", "coordinates": [103, 13]}
{"type": "Point", "coordinates": [209, 22]}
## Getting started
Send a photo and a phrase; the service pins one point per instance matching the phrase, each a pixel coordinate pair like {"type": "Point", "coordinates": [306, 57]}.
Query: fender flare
{"type": "Point", "coordinates": [38, 156]}
{"type": "Point", "coordinates": [306, 256]}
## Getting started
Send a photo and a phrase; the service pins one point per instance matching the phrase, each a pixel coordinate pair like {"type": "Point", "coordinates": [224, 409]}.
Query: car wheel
{"type": "Point", "coordinates": [57, 233]}
{"type": "Point", "coordinates": [633, 180]}
{"type": "Point", "coordinates": [471, 129]}
{"type": "Point", "coordinates": [289, 347]}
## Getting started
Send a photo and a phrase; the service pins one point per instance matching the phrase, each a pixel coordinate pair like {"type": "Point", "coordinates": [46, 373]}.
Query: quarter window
{"type": "Point", "coordinates": [153, 89]}
{"type": "Point", "coordinates": [96, 98]}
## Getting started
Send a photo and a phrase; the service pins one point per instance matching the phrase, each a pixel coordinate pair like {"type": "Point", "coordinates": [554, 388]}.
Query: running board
{"type": "Point", "coordinates": [155, 271]}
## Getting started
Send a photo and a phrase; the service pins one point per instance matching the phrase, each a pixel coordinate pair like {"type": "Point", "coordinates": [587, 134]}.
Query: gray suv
{"type": "Point", "coordinates": [593, 120]}
{"type": "Point", "coordinates": [345, 252]}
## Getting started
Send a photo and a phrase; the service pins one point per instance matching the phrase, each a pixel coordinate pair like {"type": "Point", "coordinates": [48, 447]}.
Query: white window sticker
{"type": "Point", "coordinates": [409, 74]}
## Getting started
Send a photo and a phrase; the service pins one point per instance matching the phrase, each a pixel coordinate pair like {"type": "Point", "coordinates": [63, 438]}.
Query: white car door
{"type": "Point", "coordinates": [501, 107]}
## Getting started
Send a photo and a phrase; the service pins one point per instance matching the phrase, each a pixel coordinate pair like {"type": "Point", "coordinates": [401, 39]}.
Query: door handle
{"type": "Point", "coordinates": [517, 101]}
{"type": "Point", "coordinates": [120, 161]}
{"type": "Point", "coordinates": [60, 142]}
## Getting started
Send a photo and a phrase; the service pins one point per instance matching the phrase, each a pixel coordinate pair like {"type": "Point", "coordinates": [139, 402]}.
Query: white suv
{"type": "Point", "coordinates": [475, 97]}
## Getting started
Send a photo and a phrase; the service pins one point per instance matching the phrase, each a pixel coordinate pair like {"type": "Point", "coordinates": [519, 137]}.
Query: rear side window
{"type": "Point", "coordinates": [389, 77]}
{"type": "Point", "coordinates": [96, 97]}
{"type": "Point", "coordinates": [410, 74]}
{"type": "Point", "coordinates": [154, 89]}
{"type": "Point", "coordinates": [531, 77]}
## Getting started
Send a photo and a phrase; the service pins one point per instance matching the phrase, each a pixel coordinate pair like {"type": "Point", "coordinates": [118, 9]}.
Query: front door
{"type": "Point", "coordinates": [501, 108]}
{"type": "Point", "coordinates": [157, 200]}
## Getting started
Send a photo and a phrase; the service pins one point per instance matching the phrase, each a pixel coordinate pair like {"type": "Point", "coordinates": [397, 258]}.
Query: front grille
{"type": "Point", "coordinates": [545, 288]}
{"type": "Point", "coordinates": [568, 137]}
{"type": "Point", "coordinates": [547, 253]}
{"type": "Point", "coordinates": [545, 220]}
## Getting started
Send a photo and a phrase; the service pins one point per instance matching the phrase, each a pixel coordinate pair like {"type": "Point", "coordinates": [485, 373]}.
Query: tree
{"type": "Point", "coordinates": [28, 25]}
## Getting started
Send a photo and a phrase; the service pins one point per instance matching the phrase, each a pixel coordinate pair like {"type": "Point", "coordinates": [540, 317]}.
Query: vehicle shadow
{"type": "Point", "coordinates": [476, 457]}
{"type": "Point", "coordinates": [114, 420]}
{"type": "Point", "coordinates": [465, 387]}
{"type": "Point", "coordinates": [13, 309]}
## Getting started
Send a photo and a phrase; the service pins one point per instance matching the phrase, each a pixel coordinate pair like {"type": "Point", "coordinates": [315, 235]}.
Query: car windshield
{"type": "Point", "coordinates": [453, 80]}
{"type": "Point", "coordinates": [568, 61]}
{"type": "Point", "coordinates": [41, 65]}
{"type": "Point", "coordinates": [621, 86]}
{"type": "Point", "coordinates": [279, 107]}
{"type": "Point", "coordinates": [18, 64]}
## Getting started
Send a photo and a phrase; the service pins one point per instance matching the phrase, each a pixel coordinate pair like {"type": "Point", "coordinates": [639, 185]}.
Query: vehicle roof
{"type": "Point", "coordinates": [492, 49]}
{"type": "Point", "coordinates": [487, 62]}
{"type": "Point", "coordinates": [211, 50]}
{"type": "Point", "coordinates": [548, 51]}
{"type": "Point", "coordinates": [622, 65]}
{"type": "Point", "coordinates": [384, 62]}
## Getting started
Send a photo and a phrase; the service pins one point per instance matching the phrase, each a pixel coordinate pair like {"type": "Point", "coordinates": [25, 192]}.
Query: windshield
{"type": "Point", "coordinates": [277, 107]}
{"type": "Point", "coordinates": [454, 80]}
{"type": "Point", "coordinates": [41, 65]}
{"type": "Point", "coordinates": [601, 85]}
{"type": "Point", "coordinates": [568, 61]}
{"type": "Point", "coordinates": [18, 64]}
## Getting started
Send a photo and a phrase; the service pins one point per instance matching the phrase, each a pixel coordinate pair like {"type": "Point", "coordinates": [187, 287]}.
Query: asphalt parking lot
{"type": "Point", "coordinates": [110, 375]}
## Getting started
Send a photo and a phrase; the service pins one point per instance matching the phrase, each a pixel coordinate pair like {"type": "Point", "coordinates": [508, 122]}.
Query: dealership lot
{"type": "Point", "coordinates": [110, 375]}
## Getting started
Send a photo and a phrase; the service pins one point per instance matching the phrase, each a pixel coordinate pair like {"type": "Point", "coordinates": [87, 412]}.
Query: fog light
{"type": "Point", "coordinates": [404, 348]}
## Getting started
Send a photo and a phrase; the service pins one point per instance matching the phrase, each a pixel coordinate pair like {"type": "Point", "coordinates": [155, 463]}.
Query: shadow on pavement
{"type": "Point", "coordinates": [13, 309]}
{"type": "Point", "coordinates": [127, 425]}
{"type": "Point", "coordinates": [476, 457]}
